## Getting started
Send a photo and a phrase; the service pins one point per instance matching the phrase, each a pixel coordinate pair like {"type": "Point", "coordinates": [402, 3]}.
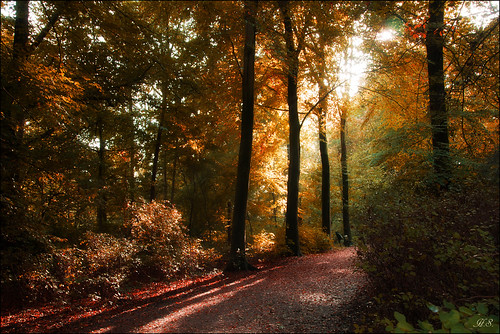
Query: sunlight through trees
{"type": "Point", "coordinates": [266, 127]}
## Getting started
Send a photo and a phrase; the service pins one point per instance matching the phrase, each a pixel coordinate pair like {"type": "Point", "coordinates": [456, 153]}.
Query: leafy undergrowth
{"type": "Point", "coordinates": [419, 247]}
{"type": "Point", "coordinates": [52, 316]}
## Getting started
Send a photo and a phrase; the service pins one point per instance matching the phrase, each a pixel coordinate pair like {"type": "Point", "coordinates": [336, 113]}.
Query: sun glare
{"type": "Point", "coordinates": [353, 68]}
{"type": "Point", "coordinates": [481, 14]}
{"type": "Point", "coordinates": [386, 35]}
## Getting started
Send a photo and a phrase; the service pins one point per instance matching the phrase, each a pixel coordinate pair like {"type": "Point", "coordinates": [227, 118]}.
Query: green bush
{"type": "Point", "coordinates": [480, 317]}
{"type": "Point", "coordinates": [435, 247]}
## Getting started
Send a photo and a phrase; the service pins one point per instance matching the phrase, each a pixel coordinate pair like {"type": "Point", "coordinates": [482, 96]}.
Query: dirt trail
{"type": "Point", "coordinates": [315, 293]}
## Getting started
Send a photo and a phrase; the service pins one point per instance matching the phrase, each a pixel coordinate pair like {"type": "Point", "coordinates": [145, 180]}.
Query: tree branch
{"type": "Point", "coordinates": [269, 107]}
{"type": "Point", "coordinates": [43, 33]}
{"type": "Point", "coordinates": [234, 55]}
{"type": "Point", "coordinates": [319, 101]}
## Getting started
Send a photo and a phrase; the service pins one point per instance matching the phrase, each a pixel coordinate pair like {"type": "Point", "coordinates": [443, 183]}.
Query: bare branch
{"type": "Point", "coordinates": [43, 33]}
{"type": "Point", "coordinates": [319, 101]}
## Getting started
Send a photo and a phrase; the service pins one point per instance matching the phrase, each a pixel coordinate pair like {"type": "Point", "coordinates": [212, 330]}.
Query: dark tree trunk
{"type": "Point", "coordinates": [154, 169]}
{"type": "Point", "coordinates": [292, 206]}
{"type": "Point", "coordinates": [237, 254]}
{"type": "Point", "coordinates": [132, 152]}
{"type": "Point", "coordinates": [165, 177]}
{"type": "Point", "coordinates": [229, 216]}
{"type": "Point", "coordinates": [325, 163]}
{"type": "Point", "coordinates": [434, 43]}
{"type": "Point", "coordinates": [101, 181]}
{"type": "Point", "coordinates": [12, 116]}
{"type": "Point", "coordinates": [21, 32]}
{"type": "Point", "coordinates": [325, 174]}
{"type": "Point", "coordinates": [345, 179]}
{"type": "Point", "coordinates": [174, 171]}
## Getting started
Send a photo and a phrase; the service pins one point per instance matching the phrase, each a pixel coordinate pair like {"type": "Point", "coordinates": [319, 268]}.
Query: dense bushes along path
{"type": "Point", "coordinates": [315, 293]}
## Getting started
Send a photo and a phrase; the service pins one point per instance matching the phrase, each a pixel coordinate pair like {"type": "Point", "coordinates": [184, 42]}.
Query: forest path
{"type": "Point", "coordinates": [306, 294]}
{"type": "Point", "coordinates": [311, 294]}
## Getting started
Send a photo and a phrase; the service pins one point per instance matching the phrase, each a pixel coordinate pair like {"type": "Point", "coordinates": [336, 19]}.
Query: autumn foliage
{"type": "Point", "coordinates": [119, 133]}
{"type": "Point", "coordinates": [154, 246]}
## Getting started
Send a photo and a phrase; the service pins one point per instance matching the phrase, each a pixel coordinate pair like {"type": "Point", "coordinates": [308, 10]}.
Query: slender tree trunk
{"type": "Point", "coordinates": [131, 178]}
{"type": "Point", "coordinates": [345, 178]}
{"type": "Point", "coordinates": [292, 206]}
{"type": "Point", "coordinates": [237, 254]}
{"type": "Point", "coordinates": [101, 198]}
{"type": "Point", "coordinates": [434, 43]}
{"type": "Point", "coordinates": [229, 216]}
{"type": "Point", "coordinates": [165, 177]}
{"type": "Point", "coordinates": [325, 174]}
{"type": "Point", "coordinates": [325, 162]}
{"type": "Point", "coordinates": [275, 209]}
{"type": "Point", "coordinates": [174, 171]}
{"type": "Point", "coordinates": [154, 170]}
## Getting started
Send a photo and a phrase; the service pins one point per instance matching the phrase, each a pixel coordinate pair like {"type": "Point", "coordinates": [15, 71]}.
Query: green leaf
{"type": "Point", "coordinates": [449, 305]}
{"type": "Point", "coordinates": [465, 310]}
{"type": "Point", "coordinates": [459, 328]}
{"type": "Point", "coordinates": [482, 308]}
{"type": "Point", "coordinates": [449, 318]}
{"type": "Point", "coordinates": [492, 329]}
{"type": "Point", "coordinates": [433, 308]}
{"type": "Point", "coordinates": [426, 326]}
{"type": "Point", "coordinates": [404, 326]}
{"type": "Point", "coordinates": [399, 317]}
{"type": "Point", "coordinates": [390, 326]}
{"type": "Point", "coordinates": [472, 321]}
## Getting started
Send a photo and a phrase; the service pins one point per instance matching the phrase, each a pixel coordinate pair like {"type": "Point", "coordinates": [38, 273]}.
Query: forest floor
{"type": "Point", "coordinates": [312, 294]}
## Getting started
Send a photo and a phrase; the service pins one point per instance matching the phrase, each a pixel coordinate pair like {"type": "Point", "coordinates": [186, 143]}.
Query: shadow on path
{"type": "Point", "coordinates": [315, 293]}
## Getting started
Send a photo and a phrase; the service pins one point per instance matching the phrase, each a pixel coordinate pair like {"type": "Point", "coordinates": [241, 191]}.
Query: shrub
{"type": "Point", "coordinates": [479, 317]}
{"type": "Point", "coordinates": [164, 250]}
{"type": "Point", "coordinates": [263, 244]}
{"type": "Point", "coordinates": [434, 247]}
{"type": "Point", "coordinates": [101, 266]}
{"type": "Point", "coordinates": [312, 240]}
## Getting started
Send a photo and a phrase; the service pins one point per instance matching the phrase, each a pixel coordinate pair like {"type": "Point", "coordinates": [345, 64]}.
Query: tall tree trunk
{"type": "Point", "coordinates": [325, 175]}
{"type": "Point", "coordinates": [101, 197]}
{"type": "Point", "coordinates": [154, 169]}
{"type": "Point", "coordinates": [434, 43]}
{"type": "Point", "coordinates": [174, 171]}
{"type": "Point", "coordinates": [12, 116]}
{"type": "Point", "coordinates": [238, 259]}
{"type": "Point", "coordinates": [132, 152]}
{"type": "Point", "coordinates": [325, 163]}
{"type": "Point", "coordinates": [165, 177]}
{"type": "Point", "coordinates": [292, 205]}
{"type": "Point", "coordinates": [345, 177]}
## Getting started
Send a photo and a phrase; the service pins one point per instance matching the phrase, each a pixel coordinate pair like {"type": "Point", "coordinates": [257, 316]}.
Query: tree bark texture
{"type": "Point", "coordinates": [345, 178]}
{"type": "Point", "coordinates": [12, 117]}
{"type": "Point", "coordinates": [291, 218]}
{"type": "Point", "coordinates": [434, 43]}
{"type": "Point", "coordinates": [174, 170]}
{"type": "Point", "coordinates": [238, 259]}
{"type": "Point", "coordinates": [101, 181]}
{"type": "Point", "coordinates": [325, 175]}
{"type": "Point", "coordinates": [325, 163]}
{"type": "Point", "coordinates": [156, 156]}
